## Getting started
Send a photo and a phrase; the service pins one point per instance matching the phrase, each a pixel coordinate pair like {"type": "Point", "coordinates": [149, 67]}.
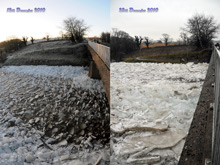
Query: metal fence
{"type": "Point", "coordinates": [102, 51]}
{"type": "Point", "coordinates": [216, 113]}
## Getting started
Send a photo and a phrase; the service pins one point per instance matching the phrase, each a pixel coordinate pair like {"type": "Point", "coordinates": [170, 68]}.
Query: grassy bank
{"type": "Point", "coordinates": [195, 56]}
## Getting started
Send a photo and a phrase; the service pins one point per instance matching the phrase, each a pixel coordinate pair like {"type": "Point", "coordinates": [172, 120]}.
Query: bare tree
{"type": "Point", "coordinates": [47, 36]}
{"type": "Point", "coordinates": [25, 40]}
{"type": "Point", "coordinates": [121, 43]}
{"type": "Point", "coordinates": [184, 37]}
{"type": "Point", "coordinates": [179, 41]}
{"type": "Point", "coordinates": [147, 41]}
{"type": "Point", "coordinates": [202, 30]}
{"type": "Point", "coordinates": [61, 34]}
{"type": "Point", "coordinates": [138, 41]}
{"type": "Point", "coordinates": [105, 37]}
{"type": "Point", "coordinates": [75, 29]}
{"type": "Point", "coordinates": [32, 40]}
{"type": "Point", "coordinates": [166, 39]}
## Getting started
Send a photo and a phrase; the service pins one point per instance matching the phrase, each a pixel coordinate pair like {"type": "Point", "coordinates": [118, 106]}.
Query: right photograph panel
{"type": "Point", "coordinates": [164, 85]}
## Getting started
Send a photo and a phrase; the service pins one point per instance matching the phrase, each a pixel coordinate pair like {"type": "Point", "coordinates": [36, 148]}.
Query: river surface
{"type": "Point", "coordinates": [152, 106]}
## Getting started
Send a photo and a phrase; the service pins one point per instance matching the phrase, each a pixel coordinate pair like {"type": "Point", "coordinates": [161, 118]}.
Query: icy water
{"type": "Point", "coordinates": [78, 75]}
{"type": "Point", "coordinates": [152, 106]}
{"type": "Point", "coordinates": [47, 116]}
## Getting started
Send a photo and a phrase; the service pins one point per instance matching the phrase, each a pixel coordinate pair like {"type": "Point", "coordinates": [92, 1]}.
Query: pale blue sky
{"type": "Point", "coordinates": [172, 15]}
{"type": "Point", "coordinates": [96, 14]}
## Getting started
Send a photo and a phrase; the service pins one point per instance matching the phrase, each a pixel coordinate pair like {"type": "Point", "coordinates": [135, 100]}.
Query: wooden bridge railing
{"type": "Point", "coordinates": [102, 51]}
{"type": "Point", "coordinates": [101, 57]}
{"type": "Point", "coordinates": [216, 113]}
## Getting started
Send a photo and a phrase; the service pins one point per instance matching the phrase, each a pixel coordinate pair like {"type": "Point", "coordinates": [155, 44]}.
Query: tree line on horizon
{"type": "Point", "coordinates": [199, 31]}
{"type": "Point", "coordinates": [74, 29]}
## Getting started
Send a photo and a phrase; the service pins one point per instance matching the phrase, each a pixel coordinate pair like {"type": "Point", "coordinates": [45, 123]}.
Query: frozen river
{"type": "Point", "coordinates": [47, 116]}
{"type": "Point", "coordinates": [152, 106]}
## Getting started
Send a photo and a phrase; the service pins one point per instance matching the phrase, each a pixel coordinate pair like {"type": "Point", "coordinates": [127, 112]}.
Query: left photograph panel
{"type": "Point", "coordinates": [54, 82]}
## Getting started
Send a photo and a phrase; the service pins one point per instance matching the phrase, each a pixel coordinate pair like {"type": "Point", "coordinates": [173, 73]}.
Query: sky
{"type": "Point", "coordinates": [171, 16]}
{"type": "Point", "coordinates": [95, 13]}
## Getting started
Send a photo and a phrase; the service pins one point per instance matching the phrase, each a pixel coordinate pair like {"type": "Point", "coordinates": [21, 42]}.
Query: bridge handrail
{"type": "Point", "coordinates": [102, 51]}
{"type": "Point", "coordinates": [216, 112]}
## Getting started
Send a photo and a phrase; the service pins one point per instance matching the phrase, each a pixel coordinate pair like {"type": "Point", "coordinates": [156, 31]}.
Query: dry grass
{"type": "Point", "coordinates": [195, 56]}
{"type": "Point", "coordinates": [50, 53]}
{"type": "Point", "coordinates": [164, 50]}
{"type": "Point", "coordinates": [177, 55]}
{"type": "Point", "coordinates": [130, 59]}
{"type": "Point", "coordinates": [143, 45]}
